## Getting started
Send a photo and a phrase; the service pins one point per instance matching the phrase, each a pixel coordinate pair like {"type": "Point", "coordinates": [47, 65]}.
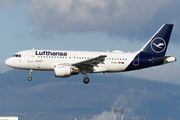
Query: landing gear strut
{"type": "Point", "coordinates": [30, 73]}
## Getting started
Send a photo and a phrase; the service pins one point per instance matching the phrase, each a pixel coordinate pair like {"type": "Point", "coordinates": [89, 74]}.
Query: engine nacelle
{"type": "Point", "coordinates": [65, 71]}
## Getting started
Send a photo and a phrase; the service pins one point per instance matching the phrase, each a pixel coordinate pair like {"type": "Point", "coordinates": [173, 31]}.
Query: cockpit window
{"type": "Point", "coordinates": [17, 55]}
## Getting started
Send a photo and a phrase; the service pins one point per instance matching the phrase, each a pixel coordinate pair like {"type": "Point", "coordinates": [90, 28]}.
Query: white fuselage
{"type": "Point", "coordinates": [46, 59]}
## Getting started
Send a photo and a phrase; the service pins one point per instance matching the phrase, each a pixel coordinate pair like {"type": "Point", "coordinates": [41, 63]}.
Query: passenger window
{"type": "Point", "coordinates": [114, 58]}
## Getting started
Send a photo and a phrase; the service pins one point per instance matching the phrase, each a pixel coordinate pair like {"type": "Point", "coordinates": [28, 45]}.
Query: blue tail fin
{"type": "Point", "coordinates": [157, 45]}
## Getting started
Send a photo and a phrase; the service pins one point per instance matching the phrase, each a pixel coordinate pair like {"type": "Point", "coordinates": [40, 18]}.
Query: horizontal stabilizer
{"type": "Point", "coordinates": [166, 59]}
{"type": "Point", "coordinates": [160, 59]}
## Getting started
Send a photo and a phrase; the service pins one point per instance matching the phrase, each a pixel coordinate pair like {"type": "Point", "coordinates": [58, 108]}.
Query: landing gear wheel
{"type": "Point", "coordinates": [86, 80]}
{"type": "Point", "coordinates": [29, 78]}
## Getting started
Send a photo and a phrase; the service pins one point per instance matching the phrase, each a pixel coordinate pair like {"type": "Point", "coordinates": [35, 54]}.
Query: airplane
{"type": "Point", "coordinates": [66, 63]}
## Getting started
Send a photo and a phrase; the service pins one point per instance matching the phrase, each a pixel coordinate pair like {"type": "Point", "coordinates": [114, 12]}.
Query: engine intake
{"type": "Point", "coordinates": [65, 71]}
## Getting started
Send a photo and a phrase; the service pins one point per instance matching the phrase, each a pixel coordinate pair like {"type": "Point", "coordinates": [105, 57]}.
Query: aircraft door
{"type": "Point", "coordinates": [136, 61]}
{"type": "Point", "coordinates": [30, 57]}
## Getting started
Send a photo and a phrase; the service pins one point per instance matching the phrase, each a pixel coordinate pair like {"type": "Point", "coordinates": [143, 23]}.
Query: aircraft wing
{"type": "Point", "coordinates": [90, 63]}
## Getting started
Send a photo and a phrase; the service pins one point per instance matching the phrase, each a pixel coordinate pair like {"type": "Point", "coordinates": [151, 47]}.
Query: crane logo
{"type": "Point", "coordinates": [158, 45]}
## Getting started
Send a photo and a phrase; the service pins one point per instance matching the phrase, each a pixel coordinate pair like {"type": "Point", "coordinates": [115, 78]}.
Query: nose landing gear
{"type": "Point", "coordinates": [30, 73]}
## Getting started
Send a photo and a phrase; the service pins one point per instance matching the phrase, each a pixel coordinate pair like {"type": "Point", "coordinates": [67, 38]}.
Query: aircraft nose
{"type": "Point", "coordinates": [8, 62]}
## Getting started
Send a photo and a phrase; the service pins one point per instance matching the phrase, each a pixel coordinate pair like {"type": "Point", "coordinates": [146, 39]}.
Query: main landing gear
{"type": "Point", "coordinates": [30, 73]}
{"type": "Point", "coordinates": [86, 79]}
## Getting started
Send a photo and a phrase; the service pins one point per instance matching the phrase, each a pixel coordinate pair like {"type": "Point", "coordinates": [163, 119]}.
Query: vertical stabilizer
{"type": "Point", "coordinates": [158, 44]}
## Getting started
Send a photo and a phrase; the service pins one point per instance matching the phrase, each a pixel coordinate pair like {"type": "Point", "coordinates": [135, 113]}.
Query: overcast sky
{"type": "Point", "coordinates": [93, 25]}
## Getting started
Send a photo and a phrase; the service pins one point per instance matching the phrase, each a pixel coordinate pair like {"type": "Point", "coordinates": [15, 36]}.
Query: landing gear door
{"type": "Point", "coordinates": [136, 61]}
{"type": "Point", "coordinates": [30, 57]}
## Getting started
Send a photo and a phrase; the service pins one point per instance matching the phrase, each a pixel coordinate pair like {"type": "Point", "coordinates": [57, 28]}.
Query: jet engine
{"type": "Point", "coordinates": [65, 71]}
